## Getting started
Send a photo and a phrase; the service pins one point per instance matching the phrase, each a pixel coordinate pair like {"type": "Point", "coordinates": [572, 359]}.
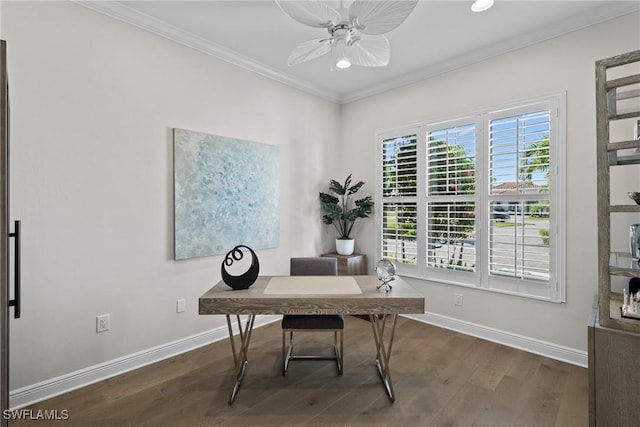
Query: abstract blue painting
{"type": "Point", "coordinates": [226, 193]}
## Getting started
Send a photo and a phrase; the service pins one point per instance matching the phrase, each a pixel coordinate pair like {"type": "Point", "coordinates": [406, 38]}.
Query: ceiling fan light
{"type": "Point", "coordinates": [481, 5]}
{"type": "Point", "coordinates": [340, 52]}
{"type": "Point", "coordinates": [343, 63]}
{"type": "Point", "coordinates": [361, 27]}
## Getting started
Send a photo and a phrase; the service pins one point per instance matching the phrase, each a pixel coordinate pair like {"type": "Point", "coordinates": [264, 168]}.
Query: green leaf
{"type": "Point", "coordinates": [328, 198]}
{"type": "Point", "coordinates": [327, 219]}
{"type": "Point", "coordinates": [347, 182]}
{"type": "Point", "coordinates": [336, 187]}
{"type": "Point", "coordinates": [332, 210]}
{"type": "Point", "coordinates": [355, 188]}
{"type": "Point", "coordinates": [364, 207]}
{"type": "Point", "coordinates": [351, 215]}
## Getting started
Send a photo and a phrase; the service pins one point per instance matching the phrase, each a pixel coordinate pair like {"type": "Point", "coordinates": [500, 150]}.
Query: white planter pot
{"type": "Point", "coordinates": [345, 246]}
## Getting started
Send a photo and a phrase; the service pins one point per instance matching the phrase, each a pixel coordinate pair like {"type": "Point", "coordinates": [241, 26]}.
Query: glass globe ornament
{"type": "Point", "coordinates": [386, 272]}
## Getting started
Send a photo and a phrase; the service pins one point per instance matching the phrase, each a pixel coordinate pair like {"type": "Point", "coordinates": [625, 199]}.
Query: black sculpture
{"type": "Point", "coordinates": [247, 278]}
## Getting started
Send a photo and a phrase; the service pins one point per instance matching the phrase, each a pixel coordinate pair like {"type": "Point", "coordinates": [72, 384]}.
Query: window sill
{"type": "Point", "coordinates": [480, 288]}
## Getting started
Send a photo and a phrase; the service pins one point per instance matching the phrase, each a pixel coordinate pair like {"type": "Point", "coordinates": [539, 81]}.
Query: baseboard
{"type": "Point", "coordinates": [31, 394]}
{"type": "Point", "coordinates": [531, 345]}
{"type": "Point", "coordinates": [65, 383]}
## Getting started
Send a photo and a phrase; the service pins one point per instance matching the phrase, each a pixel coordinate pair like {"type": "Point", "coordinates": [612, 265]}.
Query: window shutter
{"type": "Point", "coordinates": [399, 232]}
{"type": "Point", "coordinates": [519, 153]}
{"type": "Point", "coordinates": [451, 166]}
{"type": "Point", "coordinates": [451, 207]}
{"type": "Point", "coordinates": [479, 199]}
{"type": "Point", "coordinates": [519, 201]}
{"type": "Point", "coordinates": [399, 198]}
{"type": "Point", "coordinates": [399, 166]}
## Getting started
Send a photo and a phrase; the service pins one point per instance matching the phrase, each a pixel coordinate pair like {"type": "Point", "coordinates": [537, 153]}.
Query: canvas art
{"type": "Point", "coordinates": [226, 193]}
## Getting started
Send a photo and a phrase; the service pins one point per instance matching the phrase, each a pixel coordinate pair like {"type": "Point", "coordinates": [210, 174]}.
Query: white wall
{"type": "Point", "coordinates": [562, 64]}
{"type": "Point", "coordinates": [93, 104]}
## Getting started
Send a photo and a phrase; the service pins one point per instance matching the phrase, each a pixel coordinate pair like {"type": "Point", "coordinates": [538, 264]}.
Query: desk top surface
{"type": "Point", "coordinates": [402, 299]}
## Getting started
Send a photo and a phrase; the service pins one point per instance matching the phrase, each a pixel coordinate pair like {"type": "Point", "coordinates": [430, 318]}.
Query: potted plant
{"type": "Point", "coordinates": [339, 212]}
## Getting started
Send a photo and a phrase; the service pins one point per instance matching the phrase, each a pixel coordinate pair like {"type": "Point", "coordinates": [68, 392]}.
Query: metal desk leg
{"type": "Point", "coordinates": [383, 350]}
{"type": "Point", "coordinates": [240, 358]}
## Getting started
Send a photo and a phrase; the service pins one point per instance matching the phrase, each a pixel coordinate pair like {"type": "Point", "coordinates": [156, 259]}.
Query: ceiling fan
{"type": "Point", "coordinates": [356, 34]}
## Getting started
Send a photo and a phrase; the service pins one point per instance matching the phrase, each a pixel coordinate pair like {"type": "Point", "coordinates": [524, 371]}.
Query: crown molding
{"type": "Point", "coordinates": [121, 12]}
{"type": "Point", "coordinates": [577, 23]}
{"type": "Point", "coordinates": [124, 13]}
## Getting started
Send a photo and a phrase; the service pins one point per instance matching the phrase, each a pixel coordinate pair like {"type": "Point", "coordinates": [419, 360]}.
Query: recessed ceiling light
{"type": "Point", "coordinates": [481, 5]}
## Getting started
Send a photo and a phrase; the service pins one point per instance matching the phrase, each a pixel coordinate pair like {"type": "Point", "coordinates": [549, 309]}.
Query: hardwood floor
{"type": "Point", "coordinates": [441, 378]}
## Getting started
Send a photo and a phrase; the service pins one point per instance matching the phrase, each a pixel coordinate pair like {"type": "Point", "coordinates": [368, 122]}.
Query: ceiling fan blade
{"type": "Point", "coordinates": [379, 17]}
{"type": "Point", "coordinates": [309, 12]}
{"type": "Point", "coordinates": [372, 51]}
{"type": "Point", "coordinates": [309, 50]}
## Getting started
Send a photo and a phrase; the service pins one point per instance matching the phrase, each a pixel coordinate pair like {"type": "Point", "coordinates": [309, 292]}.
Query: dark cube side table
{"type": "Point", "coordinates": [350, 265]}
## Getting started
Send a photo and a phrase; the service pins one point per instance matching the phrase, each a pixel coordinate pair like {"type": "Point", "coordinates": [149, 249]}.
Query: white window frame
{"type": "Point", "coordinates": [443, 274]}
{"type": "Point", "coordinates": [408, 270]}
{"type": "Point", "coordinates": [555, 289]}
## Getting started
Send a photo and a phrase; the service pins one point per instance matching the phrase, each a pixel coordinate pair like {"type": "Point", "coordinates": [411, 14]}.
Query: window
{"type": "Point", "coordinates": [451, 204]}
{"type": "Point", "coordinates": [399, 189]}
{"type": "Point", "coordinates": [478, 200]}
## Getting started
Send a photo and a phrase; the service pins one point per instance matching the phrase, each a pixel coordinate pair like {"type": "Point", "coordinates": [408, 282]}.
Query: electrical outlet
{"type": "Point", "coordinates": [181, 305]}
{"type": "Point", "coordinates": [103, 323]}
{"type": "Point", "coordinates": [458, 300]}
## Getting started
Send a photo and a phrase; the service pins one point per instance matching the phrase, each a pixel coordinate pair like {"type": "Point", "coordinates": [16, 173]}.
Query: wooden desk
{"type": "Point", "coordinates": [382, 307]}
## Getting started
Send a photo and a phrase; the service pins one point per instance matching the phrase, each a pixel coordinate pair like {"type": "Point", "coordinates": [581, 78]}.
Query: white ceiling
{"type": "Point", "coordinates": [437, 37]}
